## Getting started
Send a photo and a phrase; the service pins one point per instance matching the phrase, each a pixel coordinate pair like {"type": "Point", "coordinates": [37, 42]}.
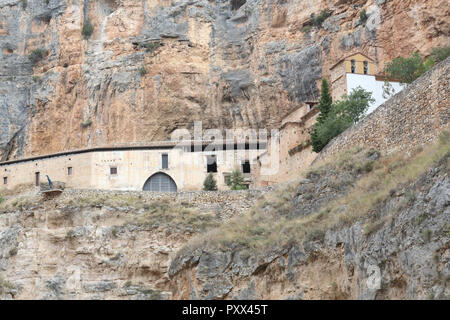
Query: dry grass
{"type": "Point", "coordinates": [18, 190]}
{"type": "Point", "coordinates": [4, 285]}
{"type": "Point", "coordinates": [174, 215]}
{"type": "Point", "coordinates": [17, 203]}
{"type": "Point", "coordinates": [105, 199]}
{"type": "Point", "coordinates": [266, 225]}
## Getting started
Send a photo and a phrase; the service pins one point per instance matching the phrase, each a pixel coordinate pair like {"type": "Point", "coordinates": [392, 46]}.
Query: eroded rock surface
{"type": "Point", "coordinates": [149, 68]}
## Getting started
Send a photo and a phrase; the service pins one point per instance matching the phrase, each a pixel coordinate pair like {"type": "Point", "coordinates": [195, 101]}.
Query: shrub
{"type": "Point", "coordinates": [86, 123]}
{"type": "Point", "coordinates": [236, 180]}
{"type": "Point", "coordinates": [87, 30]}
{"type": "Point", "coordinates": [210, 183]}
{"type": "Point", "coordinates": [440, 54]}
{"type": "Point", "coordinates": [1, 198]}
{"type": "Point", "coordinates": [37, 79]}
{"type": "Point", "coordinates": [318, 20]}
{"type": "Point", "coordinates": [13, 252]}
{"type": "Point", "coordinates": [142, 71]}
{"type": "Point", "coordinates": [152, 46]}
{"type": "Point", "coordinates": [5, 285]}
{"type": "Point", "coordinates": [37, 55]}
{"type": "Point", "coordinates": [406, 70]}
{"type": "Point", "coordinates": [363, 16]}
{"type": "Point", "coordinates": [24, 4]}
{"type": "Point", "coordinates": [306, 29]}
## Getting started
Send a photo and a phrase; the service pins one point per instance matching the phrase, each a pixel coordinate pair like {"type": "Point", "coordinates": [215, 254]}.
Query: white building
{"type": "Point", "coordinates": [358, 70]}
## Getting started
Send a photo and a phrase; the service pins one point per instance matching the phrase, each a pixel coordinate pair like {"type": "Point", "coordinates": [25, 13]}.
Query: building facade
{"type": "Point", "coordinates": [358, 70]}
{"type": "Point", "coordinates": [292, 150]}
{"type": "Point", "coordinates": [158, 167]}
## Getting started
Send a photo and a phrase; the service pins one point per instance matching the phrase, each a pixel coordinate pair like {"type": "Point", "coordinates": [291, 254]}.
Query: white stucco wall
{"type": "Point", "coordinates": [369, 83]}
{"type": "Point", "coordinates": [91, 169]}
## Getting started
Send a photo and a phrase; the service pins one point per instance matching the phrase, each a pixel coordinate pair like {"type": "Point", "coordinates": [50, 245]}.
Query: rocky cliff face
{"type": "Point", "coordinates": [395, 248]}
{"type": "Point", "coordinates": [101, 245]}
{"type": "Point", "coordinates": [151, 67]}
{"type": "Point", "coordinates": [363, 226]}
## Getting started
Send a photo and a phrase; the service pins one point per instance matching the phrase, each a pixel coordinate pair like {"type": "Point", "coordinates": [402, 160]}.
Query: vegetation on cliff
{"type": "Point", "coordinates": [279, 220]}
{"type": "Point", "coordinates": [37, 55]}
{"type": "Point", "coordinates": [87, 30]}
{"type": "Point", "coordinates": [408, 69]}
{"type": "Point", "coordinates": [336, 118]}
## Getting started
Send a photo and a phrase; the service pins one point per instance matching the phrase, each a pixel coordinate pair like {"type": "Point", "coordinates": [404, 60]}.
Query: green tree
{"type": "Point", "coordinates": [325, 101]}
{"type": "Point", "coordinates": [324, 107]}
{"type": "Point", "coordinates": [406, 70]}
{"type": "Point", "coordinates": [210, 183]}
{"type": "Point", "coordinates": [354, 106]}
{"type": "Point", "coordinates": [343, 114]}
{"type": "Point", "coordinates": [236, 180]}
{"type": "Point", "coordinates": [1, 198]}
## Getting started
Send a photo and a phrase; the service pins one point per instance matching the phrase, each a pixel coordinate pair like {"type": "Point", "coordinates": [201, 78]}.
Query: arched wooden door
{"type": "Point", "coordinates": [160, 182]}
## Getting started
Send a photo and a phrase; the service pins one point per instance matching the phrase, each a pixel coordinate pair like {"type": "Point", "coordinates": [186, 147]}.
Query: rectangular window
{"type": "Point", "coordinates": [113, 170]}
{"type": "Point", "coordinates": [165, 161]}
{"type": "Point", "coordinates": [366, 67]}
{"type": "Point", "coordinates": [246, 167]}
{"type": "Point", "coordinates": [69, 171]}
{"type": "Point", "coordinates": [5, 180]}
{"type": "Point", "coordinates": [37, 179]}
{"type": "Point", "coordinates": [211, 165]}
{"type": "Point", "coordinates": [353, 66]}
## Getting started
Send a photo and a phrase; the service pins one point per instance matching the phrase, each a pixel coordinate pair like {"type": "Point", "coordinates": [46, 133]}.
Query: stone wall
{"type": "Point", "coordinates": [413, 117]}
{"type": "Point", "coordinates": [224, 204]}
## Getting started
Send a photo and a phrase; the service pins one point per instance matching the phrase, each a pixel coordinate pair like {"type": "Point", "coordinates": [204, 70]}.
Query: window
{"type": "Point", "coordinates": [211, 165]}
{"type": "Point", "coordinates": [69, 171]}
{"type": "Point", "coordinates": [366, 67]}
{"type": "Point", "coordinates": [165, 161]}
{"type": "Point", "coordinates": [5, 180]}
{"type": "Point", "coordinates": [227, 177]}
{"type": "Point", "coordinates": [113, 170]}
{"type": "Point", "coordinates": [246, 167]}
{"type": "Point", "coordinates": [37, 178]}
{"type": "Point", "coordinates": [353, 66]}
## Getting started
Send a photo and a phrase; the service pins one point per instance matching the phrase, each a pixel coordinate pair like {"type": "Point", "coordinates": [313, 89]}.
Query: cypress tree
{"type": "Point", "coordinates": [325, 101]}
{"type": "Point", "coordinates": [324, 106]}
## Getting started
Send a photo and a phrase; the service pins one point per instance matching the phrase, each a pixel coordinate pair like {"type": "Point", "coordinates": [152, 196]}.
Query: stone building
{"type": "Point", "coordinates": [159, 166]}
{"type": "Point", "coordinates": [293, 152]}
{"type": "Point", "coordinates": [359, 70]}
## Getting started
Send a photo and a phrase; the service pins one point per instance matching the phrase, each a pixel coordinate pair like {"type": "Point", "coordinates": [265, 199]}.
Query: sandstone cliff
{"type": "Point", "coordinates": [102, 245]}
{"type": "Point", "coordinates": [150, 67]}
